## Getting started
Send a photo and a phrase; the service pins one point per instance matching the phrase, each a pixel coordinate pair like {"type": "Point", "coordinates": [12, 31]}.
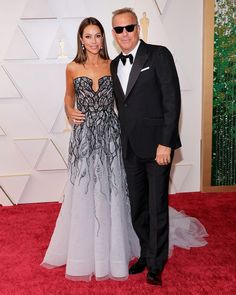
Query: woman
{"type": "Point", "coordinates": [93, 233]}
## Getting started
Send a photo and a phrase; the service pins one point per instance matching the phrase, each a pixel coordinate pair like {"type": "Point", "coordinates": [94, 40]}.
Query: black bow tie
{"type": "Point", "coordinates": [124, 57]}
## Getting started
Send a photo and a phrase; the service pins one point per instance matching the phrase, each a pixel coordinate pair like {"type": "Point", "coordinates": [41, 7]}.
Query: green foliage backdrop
{"type": "Point", "coordinates": [224, 95]}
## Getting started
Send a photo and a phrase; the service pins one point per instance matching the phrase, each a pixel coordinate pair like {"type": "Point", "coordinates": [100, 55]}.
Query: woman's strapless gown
{"type": "Point", "coordinates": [93, 233]}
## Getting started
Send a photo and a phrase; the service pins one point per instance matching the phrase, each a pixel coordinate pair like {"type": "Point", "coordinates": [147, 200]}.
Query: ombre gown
{"type": "Point", "coordinates": [93, 233]}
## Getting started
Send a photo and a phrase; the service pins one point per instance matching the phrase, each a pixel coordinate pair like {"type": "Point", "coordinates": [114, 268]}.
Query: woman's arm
{"type": "Point", "coordinates": [74, 116]}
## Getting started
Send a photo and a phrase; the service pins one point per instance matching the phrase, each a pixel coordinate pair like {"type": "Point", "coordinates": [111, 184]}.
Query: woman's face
{"type": "Point", "coordinates": [92, 39]}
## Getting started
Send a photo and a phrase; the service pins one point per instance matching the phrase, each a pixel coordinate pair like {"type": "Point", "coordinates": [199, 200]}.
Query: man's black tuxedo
{"type": "Point", "coordinates": [149, 111]}
{"type": "Point", "coordinates": [149, 114]}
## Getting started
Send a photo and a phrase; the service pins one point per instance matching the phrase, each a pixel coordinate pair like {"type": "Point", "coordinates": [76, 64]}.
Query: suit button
{"type": "Point", "coordinates": [125, 105]}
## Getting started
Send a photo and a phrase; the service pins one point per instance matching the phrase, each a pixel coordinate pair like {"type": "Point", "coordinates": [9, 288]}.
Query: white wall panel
{"type": "Point", "coordinates": [2, 132]}
{"type": "Point", "coordinates": [156, 31]}
{"type": "Point", "coordinates": [38, 9]}
{"type": "Point", "coordinates": [38, 39]}
{"type": "Point", "coordinates": [51, 159]}
{"type": "Point", "coordinates": [161, 5]}
{"type": "Point", "coordinates": [19, 120]}
{"type": "Point", "coordinates": [65, 48]}
{"type": "Point", "coordinates": [10, 11]}
{"type": "Point", "coordinates": [158, 34]}
{"type": "Point", "coordinates": [20, 47]}
{"type": "Point", "coordinates": [40, 34]}
{"type": "Point", "coordinates": [43, 85]}
{"type": "Point", "coordinates": [46, 186]}
{"type": "Point", "coordinates": [7, 88]}
{"type": "Point", "coordinates": [61, 141]}
{"type": "Point", "coordinates": [61, 123]}
{"type": "Point", "coordinates": [179, 175]}
{"type": "Point", "coordinates": [31, 149]}
{"type": "Point", "coordinates": [11, 160]}
{"type": "Point", "coordinates": [4, 199]}
{"type": "Point", "coordinates": [14, 186]}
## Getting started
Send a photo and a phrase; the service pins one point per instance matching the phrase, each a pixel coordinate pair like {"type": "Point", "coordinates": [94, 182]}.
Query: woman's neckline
{"type": "Point", "coordinates": [92, 81]}
{"type": "Point", "coordinates": [83, 76]}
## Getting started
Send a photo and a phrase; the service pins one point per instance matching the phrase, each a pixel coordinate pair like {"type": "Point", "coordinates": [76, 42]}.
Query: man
{"type": "Point", "coordinates": [147, 94]}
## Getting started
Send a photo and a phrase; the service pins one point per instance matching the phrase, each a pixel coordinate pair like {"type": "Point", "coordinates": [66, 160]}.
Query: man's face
{"type": "Point", "coordinates": [126, 40]}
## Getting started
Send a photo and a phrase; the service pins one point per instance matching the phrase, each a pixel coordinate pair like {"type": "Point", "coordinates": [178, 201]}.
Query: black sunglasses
{"type": "Point", "coordinates": [129, 28]}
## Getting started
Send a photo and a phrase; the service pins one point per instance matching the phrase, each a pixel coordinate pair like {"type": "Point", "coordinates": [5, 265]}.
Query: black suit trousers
{"type": "Point", "coordinates": [148, 192]}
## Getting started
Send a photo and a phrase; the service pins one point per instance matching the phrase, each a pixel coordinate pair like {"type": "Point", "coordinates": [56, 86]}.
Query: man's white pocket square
{"type": "Point", "coordinates": [144, 69]}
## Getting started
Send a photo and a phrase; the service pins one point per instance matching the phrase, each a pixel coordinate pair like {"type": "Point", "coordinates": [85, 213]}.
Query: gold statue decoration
{"type": "Point", "coordinates": [62, 53]}
{"type": "Point", "coordinates": [144, 22]}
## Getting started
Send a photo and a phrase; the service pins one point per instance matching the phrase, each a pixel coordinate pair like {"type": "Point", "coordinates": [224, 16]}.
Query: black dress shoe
{"type": "Point", "coordinates": [154, 278]}
{"type": "Point", "coordinates": [138, 267]}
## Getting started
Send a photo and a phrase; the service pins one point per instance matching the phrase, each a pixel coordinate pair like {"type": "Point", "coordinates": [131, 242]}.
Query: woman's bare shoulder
{"type": "Point", "coordinates": [74, 68]}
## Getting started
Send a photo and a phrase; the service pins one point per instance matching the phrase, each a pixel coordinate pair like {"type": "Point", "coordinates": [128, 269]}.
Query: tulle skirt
{"type": "Point", "coordinates": [94, 236]}
{"type": "Point", "coordinates": [93, 233]}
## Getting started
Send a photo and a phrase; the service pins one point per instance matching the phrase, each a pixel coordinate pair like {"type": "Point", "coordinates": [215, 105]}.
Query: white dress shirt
{"type": "Point", "coordinates": [123, 71]}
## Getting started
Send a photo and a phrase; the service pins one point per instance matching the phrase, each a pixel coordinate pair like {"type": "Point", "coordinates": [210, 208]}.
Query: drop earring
{"type": "Point", "coordinates": [82, 46]}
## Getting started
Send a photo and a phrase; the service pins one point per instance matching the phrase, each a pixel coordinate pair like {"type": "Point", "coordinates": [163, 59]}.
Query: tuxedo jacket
{"type": "Point", "coordinates": [149, 110]}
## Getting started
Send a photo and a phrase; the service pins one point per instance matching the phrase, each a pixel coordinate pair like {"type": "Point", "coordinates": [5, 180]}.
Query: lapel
{"type": "Point", "coordinates": [140, 59]}
{"type": "Point", "coordinates": [116, 80]}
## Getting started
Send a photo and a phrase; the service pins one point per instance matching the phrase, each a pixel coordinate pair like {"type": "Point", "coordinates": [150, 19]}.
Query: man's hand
{"type": "Point", "coordinates": [163, 155]}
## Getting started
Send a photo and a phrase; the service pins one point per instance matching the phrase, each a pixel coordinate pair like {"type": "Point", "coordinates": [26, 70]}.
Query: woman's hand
{"type": "Point", "coordinates": [75, 116]}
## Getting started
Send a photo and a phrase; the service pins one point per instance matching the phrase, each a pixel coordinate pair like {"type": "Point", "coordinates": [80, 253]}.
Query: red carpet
{"type": "Point", "coordinates": [25, 231]}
